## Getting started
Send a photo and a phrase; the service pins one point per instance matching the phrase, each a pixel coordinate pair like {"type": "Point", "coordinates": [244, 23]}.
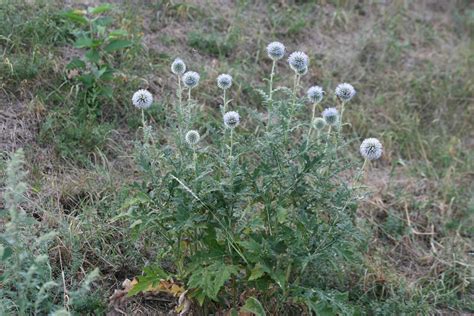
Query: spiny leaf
{"type": "Point", "coordinates": [254, 306]}
{"type": "Point", "coordinates": [210, 279]}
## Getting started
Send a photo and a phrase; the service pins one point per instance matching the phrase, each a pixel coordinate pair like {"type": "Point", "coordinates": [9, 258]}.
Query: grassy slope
{"type": "Point", "coordinates": [409, 62]}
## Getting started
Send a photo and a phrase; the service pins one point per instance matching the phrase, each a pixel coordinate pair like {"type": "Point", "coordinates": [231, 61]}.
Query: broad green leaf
{"type": "Point", "coordinates": [93, 55]}
{"type": "Point", "coordinates": [115, 45]}
{"type": "Point", "coordinates": [83, 42]}
{"type": "Point", "coordinates": [5, 252]}
{"type": "Point", "coordinates": [210, 279]}
{"type": "Point", "coordinates": [252, 305]}
{"type": "Point", "coordinates": [152, 276]}
{"type": "Point", "coordinates": [256, 272]}
{"type": "Point", "coordinates": [100, 9]}
{"type": "Point", "coordinates": [75, 16]}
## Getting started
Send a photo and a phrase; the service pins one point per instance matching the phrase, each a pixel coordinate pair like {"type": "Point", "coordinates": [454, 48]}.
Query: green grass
{"type": "Point", "coordinates": [411, 64]}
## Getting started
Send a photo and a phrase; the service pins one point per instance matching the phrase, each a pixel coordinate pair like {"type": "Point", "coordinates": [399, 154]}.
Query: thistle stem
{"type": "Point", "coordinates": [231, 142]}
{"type": "Point", "coordinates": [270, 94]}
{"type": "Point", "coordinates": [144, 125]}
{"type": "Point", "coordinates": [360, 173]}
{"type": "Point", "coordinates": [310, 126]}
{"type": "Point", "coordinates": [342, 113]}
{"type": "Point", "coordinates": [293, 106]}
{"type": "Point", "coordinates": [180, 99]}
{"type": "Point", "coordinates": [224, 105]}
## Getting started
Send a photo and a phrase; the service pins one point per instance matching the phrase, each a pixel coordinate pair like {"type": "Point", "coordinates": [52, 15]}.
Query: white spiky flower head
{"type": "Point", "coordinates": [192, 137]}
{"type": "Point", "coordinates": [142, 99]}
{"type": "Point", "coordinates": [315, 94]}
{"type": "Point", "coordinates": [345, 92]}
{"type": "Point", "coordinates": [276, 50]}
{"type": "Point", "coordinates": [178, 67]}
{"type": "Point", "coordinates": [191, 79]}
{"type": "Point", "coordinates": [298, 61]}
{"type": "Point", "coordinates": [231, 119]}
{"type": "Point", "coordinates": [224, 81]}
{"type": "Point", "coordinates": [371, 149]}
{"type": "Point", "coordinates": [331, 116]}
{"type": "Point", "coordinates": [319, 123]}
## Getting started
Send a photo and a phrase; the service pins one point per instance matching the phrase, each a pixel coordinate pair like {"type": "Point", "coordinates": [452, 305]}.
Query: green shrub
{"type": "Point", "coordinates": [252, 206]}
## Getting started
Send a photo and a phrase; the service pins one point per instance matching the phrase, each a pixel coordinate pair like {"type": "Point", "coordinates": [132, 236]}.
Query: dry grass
{"type": "Point", "coordinates": [411, 63]}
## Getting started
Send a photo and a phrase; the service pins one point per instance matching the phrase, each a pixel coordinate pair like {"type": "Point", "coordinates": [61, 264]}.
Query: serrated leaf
{"type": "Point", "coordinates": [117, 44]}
{"type": "Point", "coordinates": [253, 305]}
{"type": "Point", "coordinates": [153, 280]}
{"type": "Point", "coordinates": [210, 279]}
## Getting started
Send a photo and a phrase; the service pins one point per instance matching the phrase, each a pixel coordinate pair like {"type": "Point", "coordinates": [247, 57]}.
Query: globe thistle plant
{"type": "Point", "coordinates": [231, 119]}
{"type": "Point", "coordinates": [191, 79]}
{"type": "Point", "coordinates": [315, 94]}
{"type": "Point", "coordinates": [331, 116]}
{"type": "Point", "coordinates": [142, 99]}
{"type": "Point", "coordinates": [298, 61]}
{"type": "Point", "coordinates": [224, 81]}
{"type": "Point", "coordinates": [371, 149]}
{"type": "Point", "coordinates": [192, 137]}
{"type": "Point", "coordinates": [345, 92]}
{"type": "Point", "coordinates": [276, 50]}
{"type": "Point", "coordinates": [178, 67]}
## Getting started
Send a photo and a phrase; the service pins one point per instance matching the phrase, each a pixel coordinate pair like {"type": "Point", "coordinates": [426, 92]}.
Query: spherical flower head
{"type": "Point", "coordinates": [142, 99]}
{"type": "Point", "coordinates": [231, 119]}
{"type": "Point", "coordinates": [192, 137]}
{"type": "Point", "coordinates": [224, 81]}
{"type": "Point", "coordinates": [315, 94]}
{"type": "Point", "coordinates": [371, 149]}
{"type": "Point", "coordinates": [319, 123]}
{"type": "Point", "coordinates": [298, 61]}
{"type": "Point", "coordinates": [178, 67]}
{"type": "Point", "coordinates": [191, 79]}
{"type": "Point", "coordinates": [345, 92]}
{"type": "Point", "coordinates": [276, 50]}
{"type": "Point", "coordinates": [331, 116]}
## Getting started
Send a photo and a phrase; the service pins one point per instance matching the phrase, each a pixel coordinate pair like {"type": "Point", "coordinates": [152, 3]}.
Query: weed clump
{"type": "Point", "coordinates": [261, 207]}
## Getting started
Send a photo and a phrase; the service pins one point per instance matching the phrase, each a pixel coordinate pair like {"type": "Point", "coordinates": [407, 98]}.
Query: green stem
{"type": "Point", "coordinates": [224, 105]}
{"type": "Point", "coordinates": [270, 94]}
{"type": "Point", "coordinates": [144, 125]}
{"type": "Point", "coordinates": [180, 99]}
{"type": "Point", "coordinates": [360, 173]}
{"type": "Point", "coordinates": [231, 142]}
{"type": "Point", "coordinates": [310, 126]}
{"type": "Point", "coordinates": [342, 113]}
{"type": "Point", "coordinates": [293, 106]}
{"type": "Point", "coordinates": [194, 158]}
